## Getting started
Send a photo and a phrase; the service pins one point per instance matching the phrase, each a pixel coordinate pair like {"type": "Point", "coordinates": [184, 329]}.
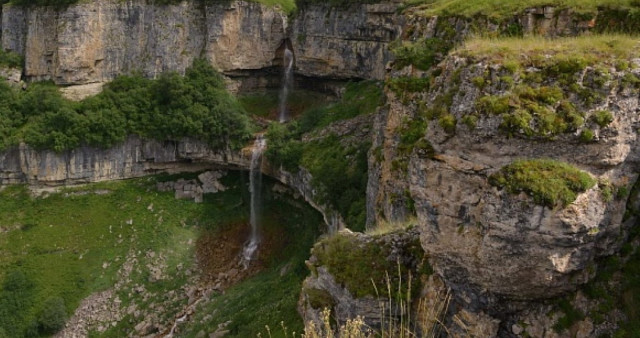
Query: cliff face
{"type": "Point", "coordinates": [136, 158]}
{"type": "Point", "coordinates": [133, 158]}
{"type": "Point", "coordinates": [489, 244]}
{"type": "Point", "coordinates": [96, 41]}
{"type": "Point", "coordinates": [348, 42]}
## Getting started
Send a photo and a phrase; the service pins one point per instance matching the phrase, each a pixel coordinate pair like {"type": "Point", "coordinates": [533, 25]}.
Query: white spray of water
{"type": "Point", "coordinates": [255, 187]}
{"type": "Point", "coordinates": [286, 83]}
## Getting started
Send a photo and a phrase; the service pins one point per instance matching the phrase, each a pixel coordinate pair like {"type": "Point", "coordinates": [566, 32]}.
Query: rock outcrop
{"type": "Point", "coordinates": [346, 42]}
{"type": "Point", "coordinates": [138, 157]}
{"type": "Point", "coordinates": [499, 250]}
{"type": "Point", "coordinates": [133, 158]}
{"type": "Point", "coordinates": [96, 41]}
{"type": "Point", "coordinates": [396, 251]}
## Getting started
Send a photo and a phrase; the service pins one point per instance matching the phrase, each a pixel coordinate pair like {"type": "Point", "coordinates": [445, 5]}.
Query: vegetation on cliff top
{"type": "Point", "coordinates": [548, 182]}
{"type": "Point", "coordinates": [499, 9]}
{"type": "Point", "coordinates": [537, 50]}
{"type": "Point", "coordinates": [171, 107]}
{"type": "Point", "coordinates": [365, 265]}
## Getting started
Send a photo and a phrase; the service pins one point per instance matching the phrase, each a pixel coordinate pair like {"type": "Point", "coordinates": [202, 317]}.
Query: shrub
{"type": "Point", "coordinates": [479, 82]}
{"type": "Point", "coordinates": [586, 136]}
{"type": "Point", "coordinates": [518, 122]}
{"type": "Point", "coordinates": [422, 54]}
{"type": "Point", "coordinates": [470, 121]}
{"type": "Point", "coordinates": [340, 176]}
{"type": "Point", "coordinates": [606, 191]}
{"type": "Point", "coordinates": [410, 133]}
{"type": "Point", "coordinates": [10, 59]}
{"type": "Point", "coordinates": [448, 123]}
{"type": "Point", "coordinates": [406, 84]}
{"type": "Point", "coordinates": [53, 316]}
{"type": "Point", "coordinates": [16, 294]}
{"type": "Point", "coordinates": [631, 80]}
{"type": "Point", "coordinates": [497, 105]}
{"type": "Point", "coordinates": [196, 105]}
{"type": "Point", "coordinates": [547, 181]}
{"type": "Point", "coordinates": [358, 264]}
{"type": "Point", "coordinates": [602, 118]}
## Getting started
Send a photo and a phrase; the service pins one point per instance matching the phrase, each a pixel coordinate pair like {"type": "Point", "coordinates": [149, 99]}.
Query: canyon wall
{"type": "Point", "coordinates": [138, 157]}
{"type": "Point", "coordinates": [96, 41]}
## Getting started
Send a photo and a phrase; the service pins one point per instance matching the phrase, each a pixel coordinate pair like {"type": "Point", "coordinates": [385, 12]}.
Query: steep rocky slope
{"type": "Point", "coordinates": [445, 140]}
{"type": "Point", "coordinates": [445, 144]}
{"type": "Point", "coordinates": [96, 41]}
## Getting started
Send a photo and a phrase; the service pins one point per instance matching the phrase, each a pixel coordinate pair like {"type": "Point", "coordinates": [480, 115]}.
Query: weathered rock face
{"type": "Point", "coordinates": [301, 181]}
{"type": "Point", "coordinates": [491, 245]}
{"type": "Point", "coordinates": [133, 158]}
{"type": "Point", "coordinates": [322, 290]}
{"type": "Point", "coordinates": [138, 157]}
{"type": "Point", "coordinates": [349, 42]}
{"type": "Point", "coordinates": [96, 41]}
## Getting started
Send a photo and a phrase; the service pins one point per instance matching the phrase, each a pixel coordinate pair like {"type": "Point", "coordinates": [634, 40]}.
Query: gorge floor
{"type": "Point", "coordinates": [134, 260]}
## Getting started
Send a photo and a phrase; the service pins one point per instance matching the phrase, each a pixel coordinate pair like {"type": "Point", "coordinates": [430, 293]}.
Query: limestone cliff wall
{"type": "Point", "coordinates": [98, 40]}
{"type": "Point", "coordinates": [138, 157]}
{"type": "Point", "coordinates": [345, 42]}
{"type": "Point", "coordinates": [488, 244]}
{"type": "Point", "coordinates": [133, 158]}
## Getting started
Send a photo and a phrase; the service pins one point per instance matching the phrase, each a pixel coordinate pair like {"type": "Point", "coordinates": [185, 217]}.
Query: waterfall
{"type": "Point", "coordinates": [286, 83]}
{"type": "Point", "coordinates": [255, 187]}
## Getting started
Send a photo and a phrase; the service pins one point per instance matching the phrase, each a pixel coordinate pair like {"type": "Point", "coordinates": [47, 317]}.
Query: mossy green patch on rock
{"type": "Point", "coordinates": [319, 299]}
{"type": "Point", "coordinates": [548, 182]}
{"type": "Point", "coordinates": [369, 266]}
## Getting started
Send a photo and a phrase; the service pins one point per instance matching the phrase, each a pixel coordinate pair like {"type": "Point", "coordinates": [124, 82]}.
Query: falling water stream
{"type": "Point", "coordinates": [255, 186]}
{"type": "Point", "coordinates": [286, 84]}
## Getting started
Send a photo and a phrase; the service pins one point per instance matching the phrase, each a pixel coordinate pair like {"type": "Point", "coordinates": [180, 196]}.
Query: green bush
{"type": "Point", "coordinates": [358, 265]}
{"type": "Point", "coordinates": [479, 82]}
{"type": "Point", "coordinates": [548, 182]}
{"type": "Point", "coordinates": [631, 80]}
{"type": "Point", "coordinates": [496, 105]}
{"type": "Point", "coordinates": [586, 136]}
{"type": "Point", "coordinates": [53, 316]}
{"type": "Point", "coordinates": [518, 122]}
{"type": "Point", "coordinates": [422, 54]}
{"type": "Point", "coordinates": [10, 59]}
{"type": "Point", "coordinates": [340, 177]}
{"type": "Point", "coordinates": [602, 118]}
{"type": "Point", "coordinates": [196, 105]}
{"type": "Point", "coordinates": [16, 294]}
{"type": "Point", "coordinates": [570, 316]}
{"type": "Point", "coordinates": [470, 121]}
{"type": "Point", "coordinates": [406, 84]}
{"type": "Point", "coordinates": [448, 123]}
{"type": "Point", "coordinates": [283, 149]}
{"type": "Point", "coordinates": [410, 132]}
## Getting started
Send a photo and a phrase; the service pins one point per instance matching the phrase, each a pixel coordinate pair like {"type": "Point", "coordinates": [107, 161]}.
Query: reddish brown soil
{"type": "Point", "coordinates": [219, 254]}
